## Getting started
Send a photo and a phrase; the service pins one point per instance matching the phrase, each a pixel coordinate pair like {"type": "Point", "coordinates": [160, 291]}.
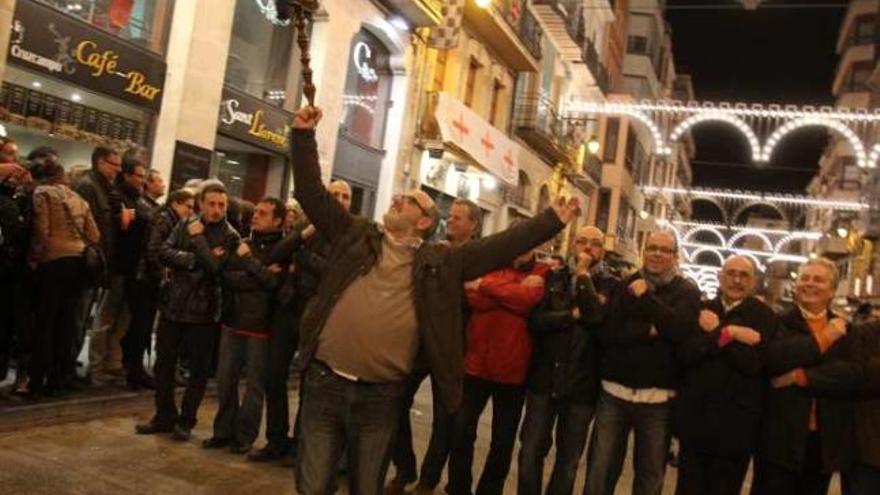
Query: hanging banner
{"type": "Point", "coordinates": [485, 143]}
{"type": "Point", "coordinates": [48, 42]}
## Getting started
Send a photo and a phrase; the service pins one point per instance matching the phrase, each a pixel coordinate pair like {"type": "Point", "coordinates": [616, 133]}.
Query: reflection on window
{"type": "Point", "coordinates": [367, 90]}
{"type": "Point", "coordinates": [143, 22]}
{"type": "Point", "coordinates": [259, 52]}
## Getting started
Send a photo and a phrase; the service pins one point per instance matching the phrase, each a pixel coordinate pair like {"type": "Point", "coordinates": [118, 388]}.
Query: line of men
{"type": "Point", "coordinates": [731, 379]}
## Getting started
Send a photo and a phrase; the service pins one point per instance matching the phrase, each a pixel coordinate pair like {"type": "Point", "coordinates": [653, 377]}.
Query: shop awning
{"type": "Point", "coordinates": [486, 145]}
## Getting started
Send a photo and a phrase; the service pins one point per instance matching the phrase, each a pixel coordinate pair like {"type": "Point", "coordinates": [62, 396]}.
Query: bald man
{"type": "Point", "coordinates": [719, 408]}
{"type": "Point", "coordinates": [563, 380]}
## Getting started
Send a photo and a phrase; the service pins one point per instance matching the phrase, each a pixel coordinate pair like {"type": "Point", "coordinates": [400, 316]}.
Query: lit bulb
{"type": "Point", "coordinates": [842, 232]}
{"type": "Point", "coordinates": [593, 146]}
{"type": "Point", "coordinates": [644, 214]}
{"type": "Point", "coordinates": [483, 3]}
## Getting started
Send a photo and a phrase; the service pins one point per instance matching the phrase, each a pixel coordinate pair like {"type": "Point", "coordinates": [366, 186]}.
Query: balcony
{"type": "Point", "coordinates": [537, 123]}
{"type": "Point", "coordinates": [594, 64]}
{"type": "Point", "coordinates": [565, 25]}
{"type": "Point", "coordinates": [511, 29]}
{"type": "Point", "coordinates": [420, 13]}
{"type": "Point", "coordinates": [518, 196]}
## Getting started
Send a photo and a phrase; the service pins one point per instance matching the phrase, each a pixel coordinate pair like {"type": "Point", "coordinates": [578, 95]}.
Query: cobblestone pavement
{"type": "Point", "coordinates": [103, 456]}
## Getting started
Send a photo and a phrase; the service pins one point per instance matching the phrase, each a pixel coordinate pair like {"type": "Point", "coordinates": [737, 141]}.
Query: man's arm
{"type": "Point", "coordinates": [496, 251]}
{"type": "Point", "coordinates": [173, 257]}
{"type": "Point", "coordinates": [673, 322]}
{"type": "Point", "coordinates": [327, 214]}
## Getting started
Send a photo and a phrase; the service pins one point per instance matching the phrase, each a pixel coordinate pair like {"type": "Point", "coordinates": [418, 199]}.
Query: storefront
{"type": "Point", "coordinates": [73, 86]}
{"type": "Point", "coordinates": [366, 100]}
{"type": "Point", "coordinates": [250, 155]}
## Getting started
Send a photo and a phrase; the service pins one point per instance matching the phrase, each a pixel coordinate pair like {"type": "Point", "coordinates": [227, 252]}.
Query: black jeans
{"type": "Point", "coordinates": [338, 414]}
{"type": "Point", "coordinates": [17, 293]}
{"type": "Point", "coordinates": [283, 340]}
{"type": "Point", "coordinates": [142, 296]}
{"type": "Point", "coordinates": [234, 420]}
{"type": "Point", "coordinates": [861, 479]}
{"type": "Point", "coordinates": [615, 418]}
{"type": "Point", "coordinates": [572, 422]}
{"type": "Point", "coordinates": [773, 479]}
{"type": "Point", "coordinates": [699, 474]}
{"type": "Point", "coordinates": [507, 405]}
{"type": "Point", "coordinates": [404, 457]}
{"type": "Point", "coordinates": [198, 339]}
{"type": "Point", "coordinates": [60, 285]}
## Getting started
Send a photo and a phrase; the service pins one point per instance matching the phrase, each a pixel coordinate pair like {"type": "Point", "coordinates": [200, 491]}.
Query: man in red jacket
{"type": "Point", "coordinates": [499, 347]}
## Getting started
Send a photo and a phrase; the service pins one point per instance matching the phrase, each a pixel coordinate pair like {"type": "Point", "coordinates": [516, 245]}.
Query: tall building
{"type": "Point", "coordinates": [850, 236]}
{"type": "Point", "coordinates": [644, 70]}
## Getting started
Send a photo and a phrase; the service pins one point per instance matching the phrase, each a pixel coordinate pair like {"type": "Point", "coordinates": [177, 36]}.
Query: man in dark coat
{"type": "Point", "coordinates": [718, 410]}
{"type": "Point", "coordinates": [387, 296]}
{"type": "Point", "coordinates": [807, 425]}
{"type": "Point", "coordinates": [563, 380]}
{"type": "Point", "coordinates": [196, 251]}
{"type": "Point", "coordinates": [863, 478]}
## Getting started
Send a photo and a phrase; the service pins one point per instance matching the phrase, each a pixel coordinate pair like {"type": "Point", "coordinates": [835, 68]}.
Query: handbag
{"type": "Point", "coordinates": [93, 255]}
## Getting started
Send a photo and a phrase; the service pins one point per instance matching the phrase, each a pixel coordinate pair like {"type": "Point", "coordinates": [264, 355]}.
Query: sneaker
{"type": "Point", "coordinates": [271, 452]}
{"type": "Point", "coordinates": [181, 433]}
{"type": "Point", "coordinates": [216, 443]}
{"type": "Point", "coordinates": [153, 427]}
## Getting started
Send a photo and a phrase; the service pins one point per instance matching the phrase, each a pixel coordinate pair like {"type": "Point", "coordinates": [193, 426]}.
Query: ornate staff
{"type": "Point", "coordinates": [302, 10]}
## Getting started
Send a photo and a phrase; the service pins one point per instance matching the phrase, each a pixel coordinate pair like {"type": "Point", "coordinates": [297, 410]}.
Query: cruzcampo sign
{"type": "Point", "coordinates": [49, 42]}
{"type": "Point", "coordinates": [254, 121]}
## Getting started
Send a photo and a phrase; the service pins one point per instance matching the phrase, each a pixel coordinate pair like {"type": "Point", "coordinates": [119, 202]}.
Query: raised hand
{"type": "Point", "coordinates": [307, 117]}
{"type": "Point", "coordinates": [567, 210]}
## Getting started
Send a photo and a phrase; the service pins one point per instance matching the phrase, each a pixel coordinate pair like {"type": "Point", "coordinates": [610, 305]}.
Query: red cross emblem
{"type": "Point", "coordinates": [487, 143]}
{"type": "Point", "coordinates": [459, 126]}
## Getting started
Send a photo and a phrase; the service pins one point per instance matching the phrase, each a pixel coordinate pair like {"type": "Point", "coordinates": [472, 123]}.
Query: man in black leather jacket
{"type": "Point", "coordinates": [249, 284]}
{"type": "Point", "coordinates": [563, 380]}
{"type": "Point", "coordinates": [196, 252]}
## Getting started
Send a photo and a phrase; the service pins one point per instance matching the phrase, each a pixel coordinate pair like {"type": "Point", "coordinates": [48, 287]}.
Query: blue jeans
{"type": "Point", "coordinates": [861, 479]}
{"type": "Point", "coordinates": [615, 418]}
{"type": "Point", "coordinates": [572, 424]}
{"type": "Point", "coordinates": [233, 420]}
{"type": "Point", "coordinates": [338, 414]}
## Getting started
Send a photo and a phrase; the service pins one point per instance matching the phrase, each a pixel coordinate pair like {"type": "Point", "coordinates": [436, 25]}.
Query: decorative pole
{"type": "Point", "coordinates": [302, 10]}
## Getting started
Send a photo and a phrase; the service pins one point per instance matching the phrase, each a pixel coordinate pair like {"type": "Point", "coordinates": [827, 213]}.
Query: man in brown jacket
{"type": "Point", "coordinates": [387, 296]}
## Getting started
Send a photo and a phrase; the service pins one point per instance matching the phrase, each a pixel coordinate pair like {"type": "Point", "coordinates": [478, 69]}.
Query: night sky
{"type": "Point", "coordinates": [783, 55]}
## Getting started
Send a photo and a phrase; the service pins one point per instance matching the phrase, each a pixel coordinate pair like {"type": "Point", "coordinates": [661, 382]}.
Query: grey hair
{"type": "Point", "coordinates": [825, 263]}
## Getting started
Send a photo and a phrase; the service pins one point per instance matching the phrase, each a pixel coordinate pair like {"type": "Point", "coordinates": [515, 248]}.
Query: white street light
{"type": "Point", "coordinates": [593, 146]}
{"type": "Point", "coordinates": [842, 232]}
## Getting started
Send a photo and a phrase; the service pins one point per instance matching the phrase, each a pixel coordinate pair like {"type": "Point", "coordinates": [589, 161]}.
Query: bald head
{"type": "Point", "coordinates": [342, 192]}
{"type": "Point", "coordinates": [591, 241]}
{"type": "Point", "coordinates": [738, 278]}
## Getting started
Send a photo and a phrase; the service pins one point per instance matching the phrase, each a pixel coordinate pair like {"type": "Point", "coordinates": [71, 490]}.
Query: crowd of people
{"type": "Point", "coordinates": [570, 354]}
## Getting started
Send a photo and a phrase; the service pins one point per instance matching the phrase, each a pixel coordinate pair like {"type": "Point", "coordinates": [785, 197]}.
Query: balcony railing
{"type": "Point", "coordinates": [529, 31]}
{"type": "Point", "coordinates": [571, 12]}
{"type": "Point", "coordinates": [594, 64]}
{"type": "Point", "coordinates": [537, 122]}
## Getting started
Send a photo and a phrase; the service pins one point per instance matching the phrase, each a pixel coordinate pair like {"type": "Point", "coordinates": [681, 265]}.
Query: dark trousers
{"type": "Point", "coordinates": [699, 474]}
{"type": "Point", "coordinates": [404, 456]}
{"type": "Point", "coordinates": [861, 479]}
{"type": "Point", "coordinates": [507, 405]}
{"type": "Point", "coordinates": [60, 285]}
{"type": "Point", "coordinates": [17, 292]}
{"type": "Point", "coordinates": [240, 421]}
{"type": "Point", "coordinates": [142, 297]}
{"type": "Point", "coordinates": [773, 479]}
{"type": "Point", "coordinates": [572, 421]}
{"type": "Point", "coordinates": [283, 340]}
{"type": "Point", "coordinates": [615, 418]}
{"type": "Point", "coordinates": [198, 339]}
{"type": "Point", "coordinates": [338, 414]}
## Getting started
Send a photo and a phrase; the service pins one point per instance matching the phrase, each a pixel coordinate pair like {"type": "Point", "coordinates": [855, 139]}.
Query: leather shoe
{"type": "Point", "coordinates": [216, 443]}
{"type": "Point", "coordinates": [181, 433]}
{"type": "Point", "coordinates": [152, 428]}
{"type": "Point", "coordinates": [270, 452]}
{"type": "Point", "coordinates": [237, 447]}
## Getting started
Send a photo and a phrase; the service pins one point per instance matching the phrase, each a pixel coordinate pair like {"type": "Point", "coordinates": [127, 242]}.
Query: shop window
{"type": "Point", "coordinates": [144, 22]}
{"type": "Point", "coordinates": [471, 81]}
{"type": "Point", "coordinates": [259, 56]}
{"type": "Point", "coordinates": [367, 91]}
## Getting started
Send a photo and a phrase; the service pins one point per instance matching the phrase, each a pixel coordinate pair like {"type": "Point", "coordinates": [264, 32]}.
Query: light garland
{"type": "Point", "coordinates": [762, 197]}
{"type": "Point", "coordinates": [737, 228]}
{"type": "Point", "coordinates": [769, 254]}
{"type": "Point", "coordinates": [731, 243]}
{"type": "Point", "coordinates": [712, 230]}
{"type": "Point", "coordinates": [873, 156]}
{"type": "Point", "coordinates": [737, 122]}
{"type": "Point", "coordinates": [814, 121]}
{"type": "Point", "coordinates": [705, 276]}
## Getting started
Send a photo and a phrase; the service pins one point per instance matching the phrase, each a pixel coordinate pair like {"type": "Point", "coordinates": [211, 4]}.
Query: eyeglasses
{"type": "Point", "coordinates": [652, 249]}
{"type": "Point", "coordinates": [412, 200]}
{"type": "Point", "coordinates": [597, 243]}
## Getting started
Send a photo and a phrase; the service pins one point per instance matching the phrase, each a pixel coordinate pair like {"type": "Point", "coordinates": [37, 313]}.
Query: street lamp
{"type": "Point", "coordinates": [842, 231]}
{"type": "Point", "coordinates": [593, 145]}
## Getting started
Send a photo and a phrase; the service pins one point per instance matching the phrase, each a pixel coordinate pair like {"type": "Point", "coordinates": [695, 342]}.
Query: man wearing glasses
{"type": "Point", "coordinates": [719, 407]}
{"type": "Point", "coordinates": [563, 380]}
{"type": "Point", "coordinates": [387, 298]}
{"type": "Point", "coordinates": [639, 374]}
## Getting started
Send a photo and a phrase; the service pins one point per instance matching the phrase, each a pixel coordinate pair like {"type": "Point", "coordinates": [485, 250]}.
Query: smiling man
{"type": "Point", "coordinates": [806, 431]}
{"type": "Point", "coordinates": [387, 296]}
{"type": "Point", "coordinates": [719, 405]}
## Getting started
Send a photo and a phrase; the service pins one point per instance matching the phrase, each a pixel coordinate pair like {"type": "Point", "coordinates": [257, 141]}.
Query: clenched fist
{"type": "Point", "coordinates": [709, 320]}
{"type": "Point", "coordinates": [196, 228]}
{"type": "Point", "coordinates": [638, 287]}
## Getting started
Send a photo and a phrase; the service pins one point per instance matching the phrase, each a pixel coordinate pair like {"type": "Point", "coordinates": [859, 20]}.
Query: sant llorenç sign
{"type": "Point", "coordinates": [50, 42]}
{"type": "Point", "coordinates": [254, 121]}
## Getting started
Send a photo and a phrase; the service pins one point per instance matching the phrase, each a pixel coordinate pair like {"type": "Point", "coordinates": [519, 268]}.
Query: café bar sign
{"type": "Point", "coordinates": [254, 121]}
{"type": "Point", "coordinates": [52, 43]}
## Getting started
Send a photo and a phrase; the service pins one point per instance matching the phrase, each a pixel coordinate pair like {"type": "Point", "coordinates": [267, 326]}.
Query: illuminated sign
{"type": "Point", "coordinates": [362, 55]}
{"type": "Point", "coordinates": [254, 121]}
{"type": "Point", "coordinates": [49, 42]}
